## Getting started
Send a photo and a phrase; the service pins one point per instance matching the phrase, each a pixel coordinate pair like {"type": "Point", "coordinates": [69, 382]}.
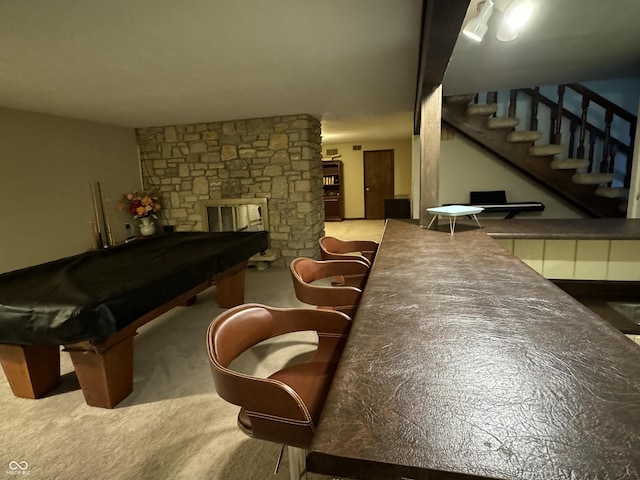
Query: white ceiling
{"type": "Point", "coordinates": [139, 63]}
{"type": "Point", "coordinates": [351, 63]}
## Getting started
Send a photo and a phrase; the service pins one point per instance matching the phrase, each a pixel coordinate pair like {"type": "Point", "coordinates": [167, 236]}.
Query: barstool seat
{"type": "Point", "coordinates": [332, 248]}
{"type": "Point", "coordinates": [306, 272]}
{"type": "Point", "coordinates": [285, 407]}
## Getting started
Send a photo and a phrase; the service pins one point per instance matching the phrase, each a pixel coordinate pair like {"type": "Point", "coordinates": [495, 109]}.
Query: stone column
{"type": "Point", "coordinates": [277, 158]}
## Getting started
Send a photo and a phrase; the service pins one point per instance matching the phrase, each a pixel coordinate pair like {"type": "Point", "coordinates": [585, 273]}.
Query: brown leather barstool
{"type": "Point", "coordinates": [285, 407]}
{"type": "Point", "coordinates": [306, 272]}
{"type": "Point", "coordinates": [332, 248]}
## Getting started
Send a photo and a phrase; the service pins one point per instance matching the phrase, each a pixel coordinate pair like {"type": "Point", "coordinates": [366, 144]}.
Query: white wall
{"type": "Point", "coordinates": [47, 164]}
{"type": "Point", "coordinates": [465, 168]}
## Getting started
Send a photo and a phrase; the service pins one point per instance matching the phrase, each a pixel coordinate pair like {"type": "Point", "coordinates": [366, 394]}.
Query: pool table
{"type": "Point", "coordinates": [93, 303]}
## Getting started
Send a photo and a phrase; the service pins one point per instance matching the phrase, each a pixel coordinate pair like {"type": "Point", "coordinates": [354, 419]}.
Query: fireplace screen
{"type": "Point", "coordinates": [235, 215]}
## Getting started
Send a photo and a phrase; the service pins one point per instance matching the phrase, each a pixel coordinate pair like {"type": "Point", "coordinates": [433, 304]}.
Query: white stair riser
{"type": "Point", "coordinates": [592, 178]}
{"type": "Point", "coordinates": [569, 163]}
{"type": "Point", "coordinates": [524, 136]}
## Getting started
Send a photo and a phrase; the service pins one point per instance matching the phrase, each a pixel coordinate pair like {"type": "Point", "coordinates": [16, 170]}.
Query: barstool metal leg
{"type": "Point", "coordinates": [275, 471]}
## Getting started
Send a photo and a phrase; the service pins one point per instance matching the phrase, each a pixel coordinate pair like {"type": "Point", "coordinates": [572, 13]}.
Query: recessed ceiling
{"type": "Point", "coordinates": [351, 63]}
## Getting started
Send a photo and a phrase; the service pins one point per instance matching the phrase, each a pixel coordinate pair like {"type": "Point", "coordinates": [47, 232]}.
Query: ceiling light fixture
{"type": "Point", "coordinates": [477, 27]}
{"type": "Point", "coordinates": [516, 15]}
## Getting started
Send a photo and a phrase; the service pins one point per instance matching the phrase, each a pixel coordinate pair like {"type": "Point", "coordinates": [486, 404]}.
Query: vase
{"type": "Point", "coordinates": [147, 227]}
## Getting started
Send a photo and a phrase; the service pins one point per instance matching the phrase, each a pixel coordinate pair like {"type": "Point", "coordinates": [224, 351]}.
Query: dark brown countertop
{"type": "Point", "coordinates": [581, 229]}
{"type": "Point", "coordinates": [463, 363]}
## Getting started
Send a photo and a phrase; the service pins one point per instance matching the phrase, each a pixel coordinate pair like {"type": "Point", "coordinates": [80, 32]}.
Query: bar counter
{"type": "Point", "coordinates": [464, 363]}
{"type": "Point", "coordinates": [578, 229]}
{"type": "Point", "coordinates": [597, 261]}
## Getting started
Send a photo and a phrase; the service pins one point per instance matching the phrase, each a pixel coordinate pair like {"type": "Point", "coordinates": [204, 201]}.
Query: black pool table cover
{"type": "Point", "coordinates": [90, 296]}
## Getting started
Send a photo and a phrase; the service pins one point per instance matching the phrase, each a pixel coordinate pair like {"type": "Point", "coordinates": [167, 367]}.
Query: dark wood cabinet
{"type": "Point", "coordinates": [332, 185]}
{"type": "Point", "coordinates": [397, 207]}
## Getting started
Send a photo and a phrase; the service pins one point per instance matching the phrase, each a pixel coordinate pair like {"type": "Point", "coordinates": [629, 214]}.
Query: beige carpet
{"type": "Point", "coordinates": [173, 425]}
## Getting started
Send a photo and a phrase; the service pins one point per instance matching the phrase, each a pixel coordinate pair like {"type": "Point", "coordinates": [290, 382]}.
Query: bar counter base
{"type": "Point", "coordinates": [358, 469]}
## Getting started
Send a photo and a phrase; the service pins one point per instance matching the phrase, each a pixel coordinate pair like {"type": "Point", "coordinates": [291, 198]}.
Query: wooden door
{"type": "Point", "coordinates": [378, 182]}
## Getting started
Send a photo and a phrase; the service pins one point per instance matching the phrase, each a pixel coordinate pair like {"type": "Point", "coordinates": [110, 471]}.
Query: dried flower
{"type": "Point", "coordinates": [140, 204]}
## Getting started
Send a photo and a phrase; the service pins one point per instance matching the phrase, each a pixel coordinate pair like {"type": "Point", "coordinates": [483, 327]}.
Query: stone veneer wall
{"type": "Point", "coordinates": [278, 158]}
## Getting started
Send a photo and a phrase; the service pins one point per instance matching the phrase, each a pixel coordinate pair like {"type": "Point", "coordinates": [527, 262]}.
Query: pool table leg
{"type": "Point", "coordinates": [105, 376]}
{"type": "Point", "coordinates": [230, 286]}
{"type": "Point", "coordinates": [31, 370]}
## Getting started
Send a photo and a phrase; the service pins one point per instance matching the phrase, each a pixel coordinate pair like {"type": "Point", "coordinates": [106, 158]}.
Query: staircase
{"type": "Point", "coordinates": [588, 177]}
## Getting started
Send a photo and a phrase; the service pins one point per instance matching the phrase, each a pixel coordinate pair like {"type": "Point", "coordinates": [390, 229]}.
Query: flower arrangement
{"type": "Point", "coordinates": [140, 204]}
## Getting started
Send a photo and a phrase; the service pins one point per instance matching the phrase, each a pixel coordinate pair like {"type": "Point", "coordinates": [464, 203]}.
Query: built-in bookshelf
{"type": "Point", "coordinates": [332, 184]}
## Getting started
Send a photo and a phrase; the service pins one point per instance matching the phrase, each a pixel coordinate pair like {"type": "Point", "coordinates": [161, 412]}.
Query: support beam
{"type": "Point", "coordinates": [430, 127]}
{"type": "Point", "coordinates": [441, 24]}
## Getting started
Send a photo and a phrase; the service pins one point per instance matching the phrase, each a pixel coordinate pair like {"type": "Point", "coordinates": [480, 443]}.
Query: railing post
{"type": "Point", "coordinates": [533, 120]}
{"type": "Point", "coordinates": [552, 125]}
{"type": "Point", "coordinates": [592, 147]}
{"type": "Point", "coordinates": [604, 164]}
{"type": "Point", "coordinates": [492, 97]}
{"type": "Point", "coordinates": [557, 138]}
{"type": "Point", "coordinates": [583, 127]}
{"type": "Point", "coordinates": [613, 150]}
{"type": "Point", "coordinates": [513, 97]}
{"type": "Point", "coordinates": [632, 142]}
{"type": "Point", "coordinates": [572, 138]}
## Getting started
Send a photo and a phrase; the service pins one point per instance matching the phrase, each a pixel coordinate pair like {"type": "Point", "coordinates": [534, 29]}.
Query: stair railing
{"type": "Point", "coordinates": [589, 138]}
{"type": "Point", "coordinates": [611, 145]}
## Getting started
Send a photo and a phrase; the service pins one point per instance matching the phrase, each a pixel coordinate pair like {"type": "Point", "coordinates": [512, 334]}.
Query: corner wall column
{"type": "Point", "coordinates": [431, 114]}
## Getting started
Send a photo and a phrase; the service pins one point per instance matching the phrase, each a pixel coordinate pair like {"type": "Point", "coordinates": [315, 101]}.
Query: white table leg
{"type": "Point", "coordinates": [431, 222]}
{"type": "Point", "coordinates": [476, 219]}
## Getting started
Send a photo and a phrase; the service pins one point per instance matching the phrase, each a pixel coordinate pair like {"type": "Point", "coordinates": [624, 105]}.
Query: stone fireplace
{"type": "Point", "coordinates": [276, 159]}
